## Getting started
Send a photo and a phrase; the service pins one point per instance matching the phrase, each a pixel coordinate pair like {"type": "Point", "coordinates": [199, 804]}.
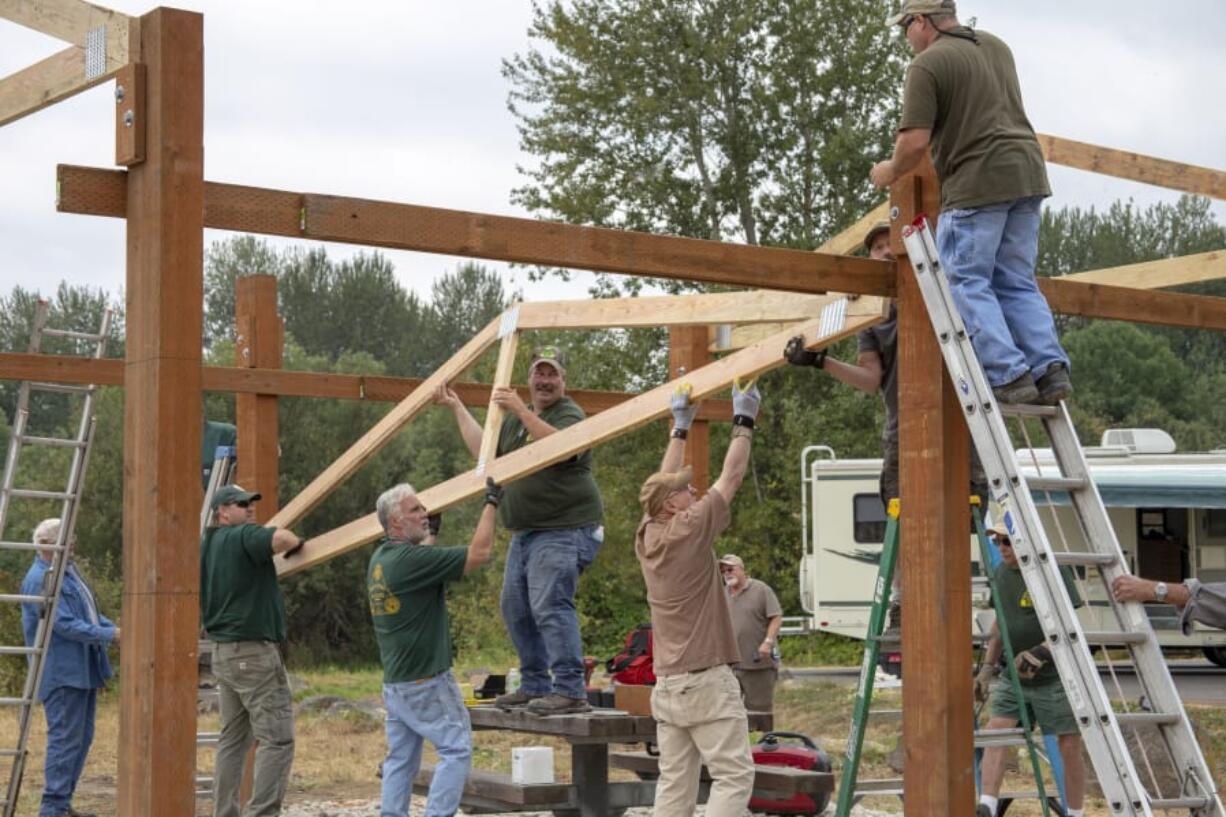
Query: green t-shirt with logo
{"type": "Point", "coordinates": [564, 495]}
{"type": "Point", "coordinates": [983, 146]}
{"type": "Point", "coordinates": [405, 585]}
{"type": "Point", "coordinates": [240, 599]}
{"type": "Point", "coordinates": [1021, 620]}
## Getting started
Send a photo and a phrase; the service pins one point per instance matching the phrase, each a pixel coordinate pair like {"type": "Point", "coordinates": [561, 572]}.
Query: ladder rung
{"type": "Point", "coordinates": [75, 335]}
{"type": "Point", "coordinates": [1084, 558]}
{"type": "Point", "coordinates": [19, 599]}
{"type": "Point", "coordinates": [1054, 483]}
{"type": "Point", "coordinates": [28, 493]}
{"type": "Point", "coordinates": [19, 650]}
{"type": "Point", "coordinates": [999, 737]}
{"type": "Point", "coordinates": [11, 752]}
{"type": "Point", "coordinates": [1024, 410]}
{"type": "Point", "coordinates": [1179, 802]}
{"type": "Point", "coordinates": [61, 388]}
{"type": "Point", "coordinates": [28, 546]}
{"type": "Point", "coordinates": [1146, 718]}
{"type": "Point", "coordinates": [14, 701]}
{"type": "Point", "coordinates": [889, 785]}
{"type": "Point", "coordinates": [54, 442]}
{"type": "Point", "coordinates": [1103, 637]}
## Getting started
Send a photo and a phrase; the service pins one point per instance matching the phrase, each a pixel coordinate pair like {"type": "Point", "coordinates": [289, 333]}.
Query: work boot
{"type": "Point", "coordinates": [983, 811]}
{"type": "Point", "coordinates": [1021, 390]}
{"type": "Point", "coordinates": [1054, 385]}
{"type": "Point", "coordinates": [893, 626]}
{"type": "Point", "coordinates": [516, 698]}
{"type": "Point", "coordinates": [555, 704]}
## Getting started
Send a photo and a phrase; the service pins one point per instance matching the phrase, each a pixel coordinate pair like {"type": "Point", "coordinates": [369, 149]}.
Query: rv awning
{"type": "Point", "coordinates": [1152, 486]}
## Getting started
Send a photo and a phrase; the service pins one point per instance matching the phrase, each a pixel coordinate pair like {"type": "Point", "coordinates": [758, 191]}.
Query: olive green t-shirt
{"type": "Point", "coordinates": [1021, 620]}
{"type": "Point", "coordinates": [564, 495]}
{"type": "Point", "coordinates": [983, 147]}
{"type": "Point", "coordinates": [405, 585]}
{"type": "Point", "coordinates": [240, 599]}
{"type": "Point", "coordinates": [752, 610]}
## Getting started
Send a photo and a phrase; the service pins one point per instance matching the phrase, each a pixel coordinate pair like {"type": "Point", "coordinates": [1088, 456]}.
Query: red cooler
{"type": "Point", "coordinates": [800, 752]}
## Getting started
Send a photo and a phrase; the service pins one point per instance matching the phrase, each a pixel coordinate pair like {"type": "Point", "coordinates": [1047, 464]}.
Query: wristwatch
{"type": "Point", "coordinates": [1160, 591]}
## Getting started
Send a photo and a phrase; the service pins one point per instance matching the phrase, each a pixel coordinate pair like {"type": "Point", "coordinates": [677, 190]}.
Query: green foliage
{"type": "Point", "coordinates": [751, 121]}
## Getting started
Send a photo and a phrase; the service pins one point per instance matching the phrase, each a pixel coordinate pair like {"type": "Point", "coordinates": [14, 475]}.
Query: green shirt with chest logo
{"type": "Point", "coordinates": [564, 495]}
{"type": "Point", "coordinates": [1021, 620]}
{"type": "Point", "coordinates": [240, 599]}
{"type": "Point", "coordinates": [406, 587]}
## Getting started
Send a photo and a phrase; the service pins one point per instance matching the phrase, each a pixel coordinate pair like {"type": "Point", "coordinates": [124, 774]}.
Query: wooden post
{"type": "Point", "coordinates": [162, 407]}
{"type": "Point", "coordinates": [259, 345]}
{"type": "Point", "coordinates": [937, 705]}
{"type": "Point", "coordinates": [687, 351]}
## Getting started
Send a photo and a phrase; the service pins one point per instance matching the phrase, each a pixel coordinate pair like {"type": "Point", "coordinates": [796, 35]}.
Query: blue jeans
{"type": "Point", "coordinates": [538, 605]}
{"type": "Point", "coordinates": [430, 709]}
{"type": "Point", "coordinates": [989, 255]}
{"type": "Point", "coordinates": [70, 731]}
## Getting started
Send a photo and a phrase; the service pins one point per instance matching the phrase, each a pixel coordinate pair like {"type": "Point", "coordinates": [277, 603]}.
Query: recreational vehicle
{"type": "Point", "coordinates": [1168, 510]}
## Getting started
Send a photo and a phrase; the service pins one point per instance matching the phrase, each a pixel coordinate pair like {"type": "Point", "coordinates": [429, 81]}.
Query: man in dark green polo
{"type": "Point", "coordinates": [242, 609]}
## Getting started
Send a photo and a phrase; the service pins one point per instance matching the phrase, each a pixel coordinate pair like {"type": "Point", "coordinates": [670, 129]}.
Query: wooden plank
{"type": "Point", "coordinates": [45, 83]}
{"type": "Point", "coordinates": [741, 336]}
{"type": "Point", "coordinates": [1137, 167]}
{"type": "Point", "coordinates": [746, 306]}
{"type": "Point", "coordinates": [609, 724]}
{"type": "Point", "coordinates": [495, 787]}
{"type": "Point", "coordinates": [1167, 272]}
{"type": "Point", "coordinates": [109, 372]}
{"type": "Point", "coordinates": [620, 419]}
{"type": "Point", "coordinates": [383, 431]}
{"type": "Point", "coordinates": [259, 341]}
{"type": "Point", "coordinates": [937, 731]}
{"type": "Point", "coordinates": [71, 21]}
{"type": "Point", "coordinates": [495, 413]}
{"type": "Point", "coordinates": [1138, 306]}
{"type": "Point", "coordinates": [852, 238]}
{"type": "Point", "coordinates": [130, 115]}
{"type": "Point", "coordinates": [477, 235]}
{"type": "Point", "coordinates": [162, 410]}
{"type": "Point", "coordinates": [687, 351]}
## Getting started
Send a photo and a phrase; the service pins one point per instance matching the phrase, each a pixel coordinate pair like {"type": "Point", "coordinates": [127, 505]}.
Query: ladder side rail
{"type": "Point", "coordinates": [1085, 692]}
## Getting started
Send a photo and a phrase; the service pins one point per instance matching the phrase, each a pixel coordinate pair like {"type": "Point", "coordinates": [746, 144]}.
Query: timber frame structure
{"type": "Point", "coordinates": [157, 63]}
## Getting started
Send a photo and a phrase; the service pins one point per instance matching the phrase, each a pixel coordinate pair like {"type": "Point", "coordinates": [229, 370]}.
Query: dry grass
{"type": "Point", "coordinates": [337, 757]}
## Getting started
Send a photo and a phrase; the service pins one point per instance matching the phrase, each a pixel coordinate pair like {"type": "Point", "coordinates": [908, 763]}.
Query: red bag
{"type": "Point", "coordinates": [633, 664]}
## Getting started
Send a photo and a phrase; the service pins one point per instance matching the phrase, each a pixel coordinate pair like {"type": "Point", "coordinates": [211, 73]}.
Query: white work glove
{"type": "Point", "coordinates": [746, 403]}
{"type": "Point", "coordinates": [683, 410]}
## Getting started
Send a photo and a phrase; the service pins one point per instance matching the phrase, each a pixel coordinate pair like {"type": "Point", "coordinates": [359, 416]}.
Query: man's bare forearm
{"type": "Point", "coordinates": [673, 455]}
{"type": "Point", "coordinates": [736, 461]}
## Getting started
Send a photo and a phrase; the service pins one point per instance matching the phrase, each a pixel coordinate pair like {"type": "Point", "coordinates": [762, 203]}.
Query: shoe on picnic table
{"type": "Point", "coordinates": [555, 704]}
{"type": "Point", "coordinates": [516, 698]}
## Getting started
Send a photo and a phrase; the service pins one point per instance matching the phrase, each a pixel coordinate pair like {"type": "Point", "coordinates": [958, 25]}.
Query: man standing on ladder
{"type": "Point", "coordinates": [76, 667]}
{"type": "Point", "coordinates": [962, 97]}
{"type": "Point", "coordinates": [1040, 684]}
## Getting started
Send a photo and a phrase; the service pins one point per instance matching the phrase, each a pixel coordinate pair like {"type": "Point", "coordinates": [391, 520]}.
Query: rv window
{"type": "Point", "coordinates": [869, 518]}
{"type": "Point", "coordinates": [1217, 522]}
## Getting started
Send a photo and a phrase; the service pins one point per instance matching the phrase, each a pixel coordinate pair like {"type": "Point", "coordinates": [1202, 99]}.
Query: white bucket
{"type": "Point", "coordinates": [531, 764]}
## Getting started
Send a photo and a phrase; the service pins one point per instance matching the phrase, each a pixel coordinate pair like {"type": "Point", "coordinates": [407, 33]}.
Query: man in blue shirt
{"type": "Point", "coordinates": [75, 667]}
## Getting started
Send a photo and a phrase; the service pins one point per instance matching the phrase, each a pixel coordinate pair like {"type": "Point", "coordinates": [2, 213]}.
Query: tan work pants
{"type": "Point", "coordinates": [700, 719]}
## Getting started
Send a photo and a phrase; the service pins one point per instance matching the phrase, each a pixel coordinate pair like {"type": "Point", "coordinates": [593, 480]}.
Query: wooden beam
{"type": "Point", "coordinates": [109, 372]}
{"type": "Point", "coordinates": [1202, 181]}
{"type": "Point", "coordinates": [502, 377]}
{"type": "Point", "coordinates": [566, 442]}
{"type": "Point", "coordinates": [1135, 305]}
{"type": "Point", "coordinates": [852, 238]}
{"type": "Point", "coordinates": [259, 341]}
{"type": "Point", "coordinates": [44, 83]}
{"type": "Point", "coordinates": [741, 336]}
{"type": "Point", "coordinates": [162, 410]}
{"type": "Point", "coordinates": [72, 21]}
{"type": "Point", "coordinates": [1167, 272]}
{"type": "Point", "coordinates": [743, 306]}
{"type": "Point", "coordinates": [476, 235]}
{"type": "Point", "coordinates": [687, 351]}
{"type": "Point", "coordinates": [938, 771]}
{"type": "Point", "coordinates": [389, 426]}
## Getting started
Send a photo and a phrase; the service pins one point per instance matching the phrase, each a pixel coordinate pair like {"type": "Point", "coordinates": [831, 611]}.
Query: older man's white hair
{"type": "Point", "coordinates": [387, 506]}
{"type": "Point", "coordinates": [47, 532]}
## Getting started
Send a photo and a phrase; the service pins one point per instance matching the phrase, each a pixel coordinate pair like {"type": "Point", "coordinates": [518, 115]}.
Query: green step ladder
{"type": "Point", "coordinates": [851, 789]}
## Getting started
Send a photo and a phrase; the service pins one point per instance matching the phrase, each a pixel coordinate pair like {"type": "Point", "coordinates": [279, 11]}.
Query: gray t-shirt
{"type": "Point", "coordinates": [752, 609]}
{"type": "Point", "coordinates": [882, 338]}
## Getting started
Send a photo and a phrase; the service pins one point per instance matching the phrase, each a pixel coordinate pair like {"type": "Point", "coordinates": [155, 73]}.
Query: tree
{"type": "Point", "coordinates": [462, 302]}
{"type": "Point", "coordinates": [745, 120]}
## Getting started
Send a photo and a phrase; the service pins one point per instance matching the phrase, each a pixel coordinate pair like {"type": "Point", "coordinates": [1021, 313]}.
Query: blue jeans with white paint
{"type": "Point", "coordinates": [989, 256]}
{"type": "Point", "coordinates": [538, 605]}
{"type": "Point", "coordinates": [417, 711]}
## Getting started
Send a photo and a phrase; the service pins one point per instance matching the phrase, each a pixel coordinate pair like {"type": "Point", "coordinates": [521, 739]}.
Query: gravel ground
{"type": "Point", "coordinates": [370, 808]}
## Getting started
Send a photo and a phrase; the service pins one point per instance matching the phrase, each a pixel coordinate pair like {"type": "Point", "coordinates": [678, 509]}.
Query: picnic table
{"type": "Point", "coordinates": [589, 793]}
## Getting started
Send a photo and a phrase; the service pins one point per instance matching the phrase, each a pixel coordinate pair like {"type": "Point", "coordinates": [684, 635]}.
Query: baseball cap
{"type": "Point", "coordinates": [229, 494]}
{"type": "Point", "coordinates": [659, 485]}
{"type": "Point", "coordinates": [552, 355]}
{"type": "Point", "coordinates": [999, 530]}
{"type": "Point", "coordinates": [910, 7]}
{"type": "Point", "coordinates": [732, 560]}
{"type": "Point", "coordinates": [878, 228]}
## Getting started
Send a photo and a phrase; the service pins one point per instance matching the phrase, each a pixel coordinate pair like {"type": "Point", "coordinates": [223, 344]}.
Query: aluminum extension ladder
{"type": "Point", "coordinates": [70, 499]}
{"type": "Point", "coordinates": [1102, 727]}
{"type": "Point", "coordinates": [222, 474]}
{"type": "Point", "coordinates": [851, 788]}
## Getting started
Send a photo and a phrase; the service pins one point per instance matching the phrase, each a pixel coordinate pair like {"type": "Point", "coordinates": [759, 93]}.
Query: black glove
{"type": "Point", "coordinates": [493, 492]}
{"type": "Point", "coordinates": [796, 354]}
{"type": "Point", "coordinates": [435, 523]}
{"type": "Point", "coordinates": [294, 549]}
{"type": "Point", "coordinates": [1031, 661]}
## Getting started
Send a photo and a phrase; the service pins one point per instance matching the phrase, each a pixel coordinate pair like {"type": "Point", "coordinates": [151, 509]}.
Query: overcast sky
{"type": "Point", "coordinates": [404, 101]}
